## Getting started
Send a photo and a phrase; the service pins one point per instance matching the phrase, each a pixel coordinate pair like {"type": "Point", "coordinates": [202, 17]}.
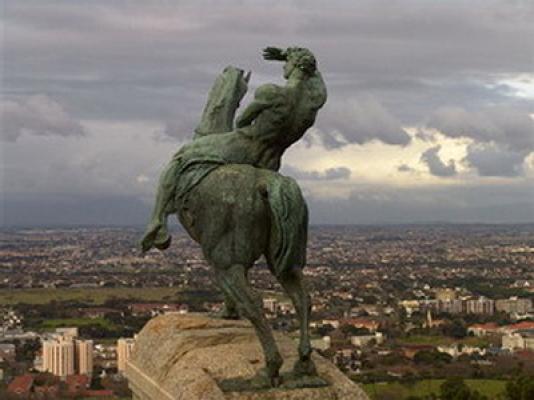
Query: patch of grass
{"type": "Point", "coordinates": [90, 296]}
{"type": "Point", "coordinates": [491, 388]}
{"type": "Point", "coordinates": [442, 340]}
{"type": "Point", "coordinates": [75, 322]}
{"type": "Point", "coordinates": [424, 339]}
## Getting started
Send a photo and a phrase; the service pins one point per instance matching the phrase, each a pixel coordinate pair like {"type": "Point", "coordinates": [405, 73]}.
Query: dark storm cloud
{"type": "Point", "coordinates": [139, 59]}
{"type": "Point", "coordinates": [367, 205]}
{"type": "Point", "coordinates": [36, 115]}
{"type": "Point", "coordinates": [326, 175]}
{"type": "Point", "coordinates": [404, 168]}
{"type": "Point", "coordinates": [501, 124]}
{"type": "Point", "coordinates": [360, 121]}
{"type": "Point", "coordinates": [503, 137]}
{"type": "Point", "coordinates": [435, 165]}
{"type": "Point", "coordinates": [463, 204]}
{"type": "Point", "coordinates": [387, 64]}
{"type": "Point", "coordinates": [181, 126]}
{"type": "Point", "coordinates": [495, 160]}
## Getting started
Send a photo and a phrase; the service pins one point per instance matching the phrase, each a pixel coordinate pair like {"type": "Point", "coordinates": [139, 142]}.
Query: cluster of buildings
{"type": "Point", "coordinates": [514, 337]}
{"type": "Point", "coordinates": [381, 281]}
{"type": "Point", "coordinates": [447, 301]}
{"type": "Point", "coordinates": [519, 340]}
{"type": "Point", "coordinates": [70, 360]}
{"type": "Point", "coordinates": [274, 307]}
{"type": "Point", "coordinates": [74, 386]}
{"type": "Point", "coordinates": [63, 354]}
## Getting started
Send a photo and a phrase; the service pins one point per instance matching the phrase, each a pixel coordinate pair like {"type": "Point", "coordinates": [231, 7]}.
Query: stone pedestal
{"type": "Point", "coordinates": [185, 357]}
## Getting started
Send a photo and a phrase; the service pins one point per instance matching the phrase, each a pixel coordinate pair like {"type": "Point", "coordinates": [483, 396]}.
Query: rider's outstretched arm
{"type": "Point", "coordinates": [274, 54]}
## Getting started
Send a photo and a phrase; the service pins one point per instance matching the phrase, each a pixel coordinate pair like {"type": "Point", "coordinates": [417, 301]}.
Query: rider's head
{"type": "Point", "coordinates": [301, 60]}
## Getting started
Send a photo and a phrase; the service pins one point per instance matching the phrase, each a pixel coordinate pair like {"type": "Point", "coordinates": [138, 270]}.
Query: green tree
{"type": "Point", "coordinates": [27, 350]}
{"type": "Point", "coordinates": [350, 330]}
{"type": "Point", "coordinates": [457, 329]}
{"type": "Point", "coordinates": [431, 357]}
{"type": "Point", "coordinates": [521, 388]}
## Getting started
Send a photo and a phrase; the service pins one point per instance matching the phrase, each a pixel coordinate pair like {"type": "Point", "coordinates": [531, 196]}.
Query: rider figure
{"type": "Point", "coordinates": [276, 118]}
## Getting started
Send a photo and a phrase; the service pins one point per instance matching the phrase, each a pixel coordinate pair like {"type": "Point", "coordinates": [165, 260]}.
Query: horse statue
{"type": "Point", "coordinates": [227, 193]}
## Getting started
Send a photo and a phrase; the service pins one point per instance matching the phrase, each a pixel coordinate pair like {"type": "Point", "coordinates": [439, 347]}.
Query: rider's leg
{"type": "Point", "coordinates": [157, 232]}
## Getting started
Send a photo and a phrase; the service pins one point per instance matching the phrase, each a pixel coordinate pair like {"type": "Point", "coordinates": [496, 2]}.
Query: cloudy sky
{"type": "Point", "coordinates": [430, 115]}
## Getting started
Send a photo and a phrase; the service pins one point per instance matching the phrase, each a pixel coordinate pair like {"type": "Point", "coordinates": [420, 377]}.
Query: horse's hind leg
{"type": "Point", "coordinates": [292, 282]}
{"type": "Point", "coordinates": [229, 310]}
{"type": "Point", "coordinates": [234, 283]}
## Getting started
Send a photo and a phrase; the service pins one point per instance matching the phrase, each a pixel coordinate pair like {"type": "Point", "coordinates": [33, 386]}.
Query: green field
{"type": "Point", "coordinates": [77, 322]}
{"type": "Point", "coordinates": [489, 387]}
{"type": "Point", "coordinates": [92, 296]}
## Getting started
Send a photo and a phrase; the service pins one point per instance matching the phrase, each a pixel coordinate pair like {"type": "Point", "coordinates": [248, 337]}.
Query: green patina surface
{"type": "Point", "coordinates": [226, 191]}
{"type": "Point", "coordinates": [276, 118]}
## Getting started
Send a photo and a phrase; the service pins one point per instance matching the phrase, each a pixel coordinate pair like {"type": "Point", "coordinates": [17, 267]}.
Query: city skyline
{"type": "Point", "coordinates": [429, 116]}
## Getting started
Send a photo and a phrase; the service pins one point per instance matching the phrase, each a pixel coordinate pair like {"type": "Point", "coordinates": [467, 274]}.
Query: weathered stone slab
{"type": "Point", "coordinates": [185, 357]}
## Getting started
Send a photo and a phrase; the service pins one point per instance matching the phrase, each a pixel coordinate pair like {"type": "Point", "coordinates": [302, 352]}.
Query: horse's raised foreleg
{"type": "Point", "coordinates": [292, 282]}
{"type": "Point", "coordinates": [234, 283]}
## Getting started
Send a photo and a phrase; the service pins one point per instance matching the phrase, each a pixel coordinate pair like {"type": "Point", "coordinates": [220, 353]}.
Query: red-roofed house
{"type": "Point", "coordinates": [362, 323]}
{"type": "Point", "coordinates": [46, 392]}
{"type": "Point", "coordinates": [483, 329]}
{"type": "Point", "coordinates": [523, 325]}
{"type": "Point", "coordinates": [21, 386]}
{"type": "Point", "coordinates": [409, 351]}
{"type": "Point", "coordinates": [77, 383]}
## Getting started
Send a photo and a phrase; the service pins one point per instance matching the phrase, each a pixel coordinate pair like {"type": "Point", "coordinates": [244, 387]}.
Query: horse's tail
{"type": "Point", "coordinates": [289, 224]}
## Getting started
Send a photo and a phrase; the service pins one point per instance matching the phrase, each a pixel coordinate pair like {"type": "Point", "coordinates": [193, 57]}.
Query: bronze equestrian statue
{"type": "Point", "coordinates": [227, 193]}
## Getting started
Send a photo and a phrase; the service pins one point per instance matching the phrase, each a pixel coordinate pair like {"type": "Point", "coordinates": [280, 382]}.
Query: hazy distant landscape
{"type": "Point", "coordinates": [429, 301]}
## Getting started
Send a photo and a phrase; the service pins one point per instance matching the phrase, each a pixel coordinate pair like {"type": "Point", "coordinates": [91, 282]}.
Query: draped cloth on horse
{"type": "Point", "coordinates": [287, 205]}
{"type": "Point", "coordinates": [217, 118]}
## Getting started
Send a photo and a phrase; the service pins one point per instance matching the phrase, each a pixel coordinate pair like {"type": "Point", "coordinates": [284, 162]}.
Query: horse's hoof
{"type": "Point", "coordinates": [265, 379]}
{"type": "Point", "coordinates": [150, 237]}
{"type": "Point", "coordinates": [304, 368]}
{"type": "Point", "coordinates": [163, 245]}
{"type": "Point", "coordinates": [276, 381]}
{"type": "Point", "coordinates": [146, 245]}
{"type": "Point", "coordinates": [226, 314]}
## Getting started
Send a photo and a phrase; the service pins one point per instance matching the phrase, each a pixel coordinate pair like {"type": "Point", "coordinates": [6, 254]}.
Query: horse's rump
{"type": "Point", "coordinates": [289, 224]}
{"type": "Point", "coordinates": [254, 207]}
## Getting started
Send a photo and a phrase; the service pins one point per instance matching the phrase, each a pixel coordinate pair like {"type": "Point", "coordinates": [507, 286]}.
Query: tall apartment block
{"type": "Point", "coordinates": [58, 357]}
{"type": "Point", "coordinates": [125, 347]}
{"type": "Point", "coordinates": [84, 357]}
{"type": "Point", "coordinates": [64, 355]}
